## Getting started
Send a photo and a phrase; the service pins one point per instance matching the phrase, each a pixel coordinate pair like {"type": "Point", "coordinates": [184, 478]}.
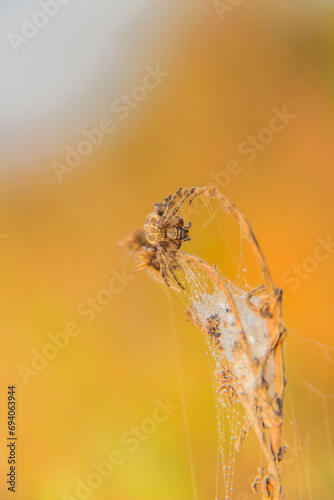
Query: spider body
{"type": "Point", "coordinates": [164, 233]}
{"type": "Point", "coordinates": [170, 233]}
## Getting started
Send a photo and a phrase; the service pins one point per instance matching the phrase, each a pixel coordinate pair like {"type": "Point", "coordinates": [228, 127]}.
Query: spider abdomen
{"type": "Point", "coordinates": [153, 233]}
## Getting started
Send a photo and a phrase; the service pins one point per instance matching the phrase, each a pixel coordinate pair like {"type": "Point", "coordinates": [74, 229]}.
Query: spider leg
{"type": "Point", "coordinates": [166, 202]}
{"type": "Point", "coordinates": [186, 239]}
{"type": "Point", "coordinates": [165, 268]}
{"type": "Point", "coordinates": [176, 278]}
{"type": "Point", "coordinates": [171, 209]}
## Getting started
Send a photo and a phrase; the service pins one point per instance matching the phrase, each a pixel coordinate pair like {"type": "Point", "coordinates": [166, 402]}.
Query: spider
{"type": "Point", "coordinates": [164, 233]}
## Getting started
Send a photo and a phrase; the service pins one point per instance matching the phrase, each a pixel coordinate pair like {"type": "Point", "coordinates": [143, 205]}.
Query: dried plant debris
{"type": "Point", "coordinates": [243, 328]}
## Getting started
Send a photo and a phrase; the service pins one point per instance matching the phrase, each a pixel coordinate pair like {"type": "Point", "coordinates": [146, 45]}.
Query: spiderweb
{"type": "Point", "coordinates": [307, 469]}
{"type": "Point", "coordinates": [201, 292]}
{"type": "Point", "coordinates": [308, 433]}
{"type": "Point", "coordinates": [229, 412]}
{"type": "Point", "coordinates": [230, 417]}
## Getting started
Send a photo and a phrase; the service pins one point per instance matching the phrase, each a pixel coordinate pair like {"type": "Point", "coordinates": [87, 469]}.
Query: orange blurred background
{"type": "Point", "coordinates": [221, 74]}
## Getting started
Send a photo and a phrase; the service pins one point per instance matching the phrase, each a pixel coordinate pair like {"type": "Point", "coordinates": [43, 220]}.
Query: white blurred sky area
{"type": "Point", "coordinates": [82, 56]}
{"type": "Point", "coordinates": [86, 54]}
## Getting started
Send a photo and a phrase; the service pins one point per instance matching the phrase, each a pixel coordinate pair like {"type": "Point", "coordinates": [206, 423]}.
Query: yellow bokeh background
{"type": "Point", "coordinates": [59, 246]}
